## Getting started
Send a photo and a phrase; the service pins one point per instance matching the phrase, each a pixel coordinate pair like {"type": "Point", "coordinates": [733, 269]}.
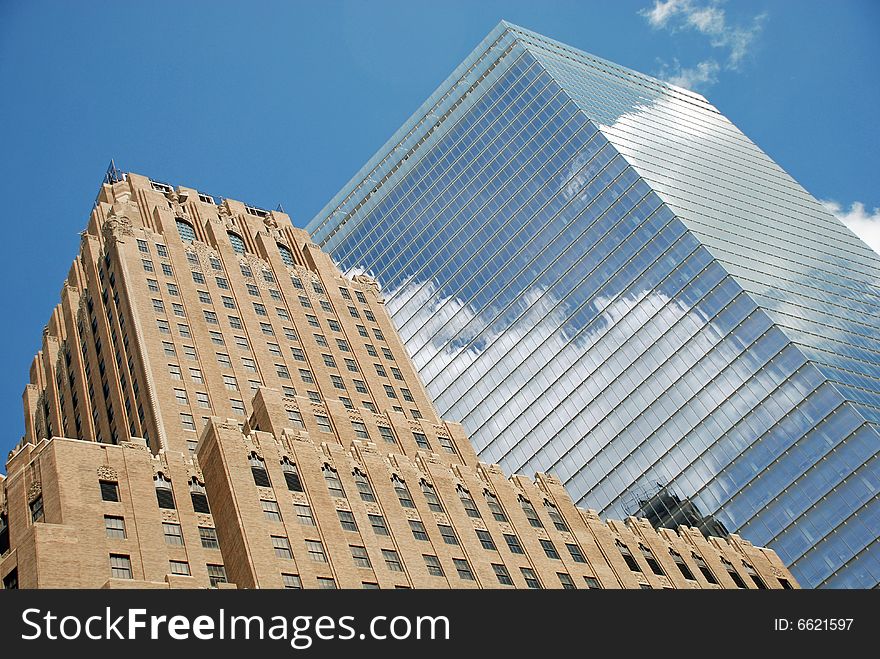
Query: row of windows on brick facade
{"type": "Point", "coordinates": [188, 235]}
{"type": "Point", "coordinates": [348, 523]}
{"type": "Point", "coordinates": [259, 308]}
{"type": "Point", "coordinates": [120, 568]}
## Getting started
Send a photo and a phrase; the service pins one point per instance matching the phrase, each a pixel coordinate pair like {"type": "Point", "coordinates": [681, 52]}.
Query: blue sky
{"type": "Point", "coordinates": [282, 102]}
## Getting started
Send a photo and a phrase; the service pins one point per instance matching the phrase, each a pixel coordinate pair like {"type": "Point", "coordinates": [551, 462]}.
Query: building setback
{"type": "Point", "coordinates": [602, 278]}
{"type": "Point", "coordinates": [216, 405]}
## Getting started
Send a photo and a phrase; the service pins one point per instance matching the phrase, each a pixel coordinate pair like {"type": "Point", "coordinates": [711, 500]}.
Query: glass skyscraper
{"type": "Point", "coordinates": [601, 277]}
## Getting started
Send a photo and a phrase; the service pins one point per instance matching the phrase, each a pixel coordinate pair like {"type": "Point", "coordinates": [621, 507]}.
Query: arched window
{"type": "Point", "coordinates": [199, 497]}
{"type": "Point", "coordinates": [334, 485]}
{"type": "Point", "coordinates": [237, 242]}
{"type": "Point", "coordinates": [291, 475]}
{"type": "Point", "coordinates": [258, 471]}
{"type": "Point", "coordinates": [286, 255]}
{"type": "Point", "coordinates": [431, 497]}
{"type": "Point", "coordinates": [186, 230]}
{"type": "Point", "coordinates": [363, 486]}
{"type": "Point", "coordinates": [164, 494]}
{"type": "Point", "coordinates": [402, 490]}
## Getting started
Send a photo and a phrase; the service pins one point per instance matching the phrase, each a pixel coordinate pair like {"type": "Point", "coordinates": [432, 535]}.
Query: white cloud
{"type": "Point", "coordinates": [660, 14]}
{"type": "Point", "coordinates": [695, 78]}
{"type": "Point", "coordinates": [709, 19]}
{"type": "Point", "coordinates": [865, 224]}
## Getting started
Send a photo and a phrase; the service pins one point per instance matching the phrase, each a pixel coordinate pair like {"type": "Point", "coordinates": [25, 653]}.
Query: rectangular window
{"type": "Point", "coordinates": [180, 568]}
{"type": "Point", "coordinates": [148, 265]}
{"type": "Point", "coordinates": [337, 382]}
{"type": "Point", "coordinates": [266, 329]}
{"type": "Point", "coordinates": [229, 380]}
{"type": "Point", "coordinates": [312, 320]}
{"type": "Point", "coordinates": [531, 578]}
{"type": "Point", "coordinates": [369, 315]}
{"type": "Point", "coordinates": [347, 520]}
{"type": "Point", "coordinates": [360, 430]}
{"type": "Point", "coordinates": [180, 397]}
{"type": "Point", "coordinates": [566, 581]}
{"type": "Point", "coordinates": [252, 290]}
{"type": "Point", "coordinates": [291, 581]}
{"type": "Point", "coordinates": [304, 514]}
{"type": "Point", "coordinates": [187, 421]}
{"type": "Point", "coordinates": [274, 349]}
{"type": "Point", "coordinates": [153, 285]}
{"type": "Point", "coordinates": [196, 375]}
{"type": "Point", "coordinates": [592, 583]}
{"type": "Point", "coordinates": [447, 444]}
{"type": "Point", "coordinates": [360, 556]}
{"type": "Point", "coordinates": [115, 526]}
{"type": "Point", "coordinates": [378, 334]}
{"type": "Point", "coordinates": [158, 306]}
{"type": "Point", "coordinates": [392, 560]}
{"type": "Point", "coordinates": [306, 376]}
{"type": "Point", "coordinates": [270, 510]}
{"type": "Point", "coordinates": [174, 372]}
{"type": "Point", "coordinates": [120, 566]}
{"type": "Point", "coordinates": [173, 534]}
{"type": "Point", "coordinates": [208, 536]}
{"type": "Point", "coordinates": [433, 565]}
{"type": "Point", "coordinates": [222, 283]}
{"type": "Point", "coordinates": [316, 551]}
{"type": "Point", "coordinates": [387, 434]}
{"type": "Point", "coordinates": [109, 490]}
{"type": "Point", "coordinates": [378, 524]}
{"type": "Point", "coordinates": [216, 575]}
{"type": "Point", "coordinates": [281, 545]}
{"type": "Point", "coordinates": [260, 309]}
{"type": "Point", "coordinates": [486, 540]}
{"type": "Point", "coordinates": [282, 313]}
{"type": "Point", "coordinates": [184, 331]}
{"type": "Point", "coordinates": [576, 554]}
{"type": "Point", "coordinates": [418, 530]}
{"type": "Point", "coordinates": [513, 543]}
{"type": "Point", "coordinates": [448, 534]}
{"type": "Point", "coordinates": [189, 352]}
{"type": "Point", "coordinates": [502, 574]}
{"type": "Point", "coordinates": [550, 549]}
{"type": "Point", "coordinates": [163, 325]}
{"type": "Point", "coordinates": [217, 338]}
{"type": "Point", "coordinates": [421, 440]}
{"type": "Point", "coordinates": [321, 340]}
{"type": "Point", "coordinates": [326, 583]}
{"type": "Point", "coordinates": [464, 569]}
{"type": "Point", "coordinates": [198, 277]}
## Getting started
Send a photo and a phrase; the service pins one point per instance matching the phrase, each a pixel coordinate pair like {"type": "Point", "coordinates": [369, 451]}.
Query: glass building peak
{"type": "Point", "coordinates": [602, 277]}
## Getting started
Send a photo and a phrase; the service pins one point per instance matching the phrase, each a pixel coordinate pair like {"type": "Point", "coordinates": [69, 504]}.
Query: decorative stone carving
{"type": "Point", "coordinates": [107, 473]}
{"type": "Point", "coordinates": [135, 446]}
{"type": "Point", "coordinates": [35, 489]}
{"type": "Point", "coordinates": [368, 283]}
{"type": "Point", "coordinates": [116, 225]}
{"type": "Point", "coordinates": [205, 520]}
{"type": "Point", "coordinates": [169, 516]}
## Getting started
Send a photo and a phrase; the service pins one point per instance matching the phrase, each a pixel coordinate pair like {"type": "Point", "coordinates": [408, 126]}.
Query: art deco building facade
{"type": "Point", "coordinates": [214, 404]}
{"type": "Point", "coordinates": [602, 278]}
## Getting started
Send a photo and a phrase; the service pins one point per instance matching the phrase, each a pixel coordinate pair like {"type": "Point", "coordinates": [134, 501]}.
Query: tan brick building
{"type": "Point", "coordinates": [214, 404]}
